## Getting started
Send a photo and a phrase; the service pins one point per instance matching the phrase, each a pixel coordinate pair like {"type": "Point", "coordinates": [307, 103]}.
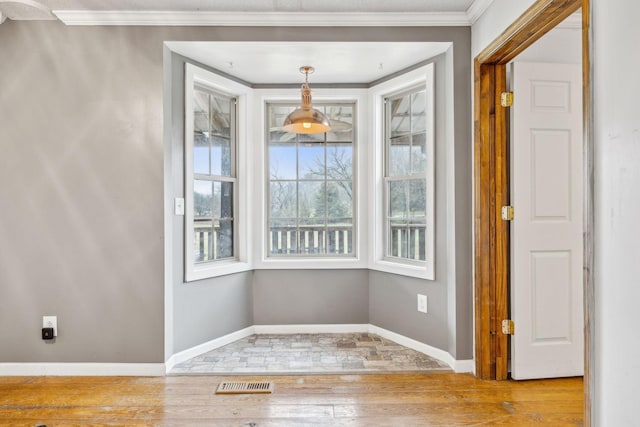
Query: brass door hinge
{"type": "Point", "coordinates": [508, 327]}
{"type": "Point", "coordinates": [507, 213]}
{"type": "Point", "coordinates": [506, 99]}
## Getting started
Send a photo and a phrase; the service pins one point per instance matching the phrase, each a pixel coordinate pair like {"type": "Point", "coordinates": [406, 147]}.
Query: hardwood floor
{"type": "Point", "coordinates": [398, 400]}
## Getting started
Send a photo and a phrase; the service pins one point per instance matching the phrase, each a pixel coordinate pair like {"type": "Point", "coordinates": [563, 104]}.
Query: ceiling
{"type": "Point", "coordinates": [279, 62]}
{"type": "Point", "coordinates": [269, 62]}
{"type": "Point", "coordinates": [52, 9]}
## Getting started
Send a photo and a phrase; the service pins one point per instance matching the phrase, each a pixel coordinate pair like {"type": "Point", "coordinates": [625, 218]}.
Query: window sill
{"type": "Point", "coordinates": [217, 269]}
{"type": "Point", "coordinates": [418, 271]}
{"type": "Point", "coordinates": [310, 264]}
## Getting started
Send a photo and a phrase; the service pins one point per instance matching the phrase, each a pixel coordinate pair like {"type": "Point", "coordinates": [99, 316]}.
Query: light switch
{"type": "Point", "coordinates": [179, 206]}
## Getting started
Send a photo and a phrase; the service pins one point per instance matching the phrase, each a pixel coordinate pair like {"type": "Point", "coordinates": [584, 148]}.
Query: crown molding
{"type": "Point", "coordinates": [262, 19]}
{"type": "Point", "coordinates": [477, 8]}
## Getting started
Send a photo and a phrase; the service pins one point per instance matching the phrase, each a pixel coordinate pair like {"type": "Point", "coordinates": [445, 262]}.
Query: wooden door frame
{"type": "Point", "coordinates": [491, 185]}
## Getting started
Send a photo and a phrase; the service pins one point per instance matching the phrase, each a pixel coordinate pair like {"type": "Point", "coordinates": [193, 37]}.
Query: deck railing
{"type": "Point", "coordinates": [404, 242]}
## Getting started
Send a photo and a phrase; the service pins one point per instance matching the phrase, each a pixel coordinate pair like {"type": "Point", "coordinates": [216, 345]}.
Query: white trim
{"type": "Point", "coordinates": [312, 329]}
{"type": "Point", "coordinates": [261, 260]}
{"type": "Point", "coordinates": [377, 256]}
{"type": "Point", "coordinates": [3, 17]}
{"type": "Point", "coordinates": [207, 346]}
{"type": "Point", "coordinates": [83, 369]}
{"type": "Point", "coordinates": [243, 94]}
{"type": "Point", "coordinates": [477, 8]}
{"type": "Point", "coordinates": [264, 19]}
{"type": "Point", "coordinates": [458, 366]}
{"type": "Point", "coordinates": [464, 366]}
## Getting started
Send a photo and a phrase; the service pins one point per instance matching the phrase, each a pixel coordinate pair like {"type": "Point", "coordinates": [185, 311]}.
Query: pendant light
{"type": "Point", "coordinates": [305, 118]}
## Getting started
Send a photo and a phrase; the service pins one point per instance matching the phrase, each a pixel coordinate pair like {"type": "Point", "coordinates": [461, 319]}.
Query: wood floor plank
{"type": "Point", "coordinates": [424, 399]}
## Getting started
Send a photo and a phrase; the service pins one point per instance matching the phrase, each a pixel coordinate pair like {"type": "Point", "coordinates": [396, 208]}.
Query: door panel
{"type": "Point", "coordinates": [546, 234]}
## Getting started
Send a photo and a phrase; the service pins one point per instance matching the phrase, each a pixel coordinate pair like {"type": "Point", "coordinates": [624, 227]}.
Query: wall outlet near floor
{"type": "Point", "coordinates": [51, 322]}
{"type": "Point", "coordinates": [422, 303]}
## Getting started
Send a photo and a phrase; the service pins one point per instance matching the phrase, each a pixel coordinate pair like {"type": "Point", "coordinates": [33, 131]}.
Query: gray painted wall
{"type": "Point", "coordinates": [81, 193]}
{"type": "Point", "coordinates": [83, 196]}
{"type": "Point", "coordinates": [283, 297]}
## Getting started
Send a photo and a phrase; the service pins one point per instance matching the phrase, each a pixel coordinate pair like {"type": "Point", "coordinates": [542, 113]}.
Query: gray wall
{"type": "Point", "coordinates": [83, 195]}
{"type": "Point", "coordinates": [311, 297]}
{"type": "Point", "coordinates": [448, 324]}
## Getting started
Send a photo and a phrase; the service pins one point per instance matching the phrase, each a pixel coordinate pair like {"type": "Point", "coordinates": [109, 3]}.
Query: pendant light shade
{"type": "Point", "coordinates": [305, 118]}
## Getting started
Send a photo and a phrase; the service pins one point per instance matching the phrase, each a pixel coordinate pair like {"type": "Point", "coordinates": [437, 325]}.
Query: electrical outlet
{"type": "Point", "coordinates": [51, 322]}
{"type": "Point", "coordinates": [422, 303]}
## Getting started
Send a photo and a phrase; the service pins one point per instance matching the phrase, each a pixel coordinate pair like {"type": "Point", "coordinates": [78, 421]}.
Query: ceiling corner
{"type": "Point", "coordinates": [476, 9]}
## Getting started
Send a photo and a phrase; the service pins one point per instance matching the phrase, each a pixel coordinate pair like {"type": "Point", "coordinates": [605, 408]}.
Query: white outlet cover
{"type": "Point", "coordinates": [422, 303]}
{"type": "Point", "coordinates": [51, 322]}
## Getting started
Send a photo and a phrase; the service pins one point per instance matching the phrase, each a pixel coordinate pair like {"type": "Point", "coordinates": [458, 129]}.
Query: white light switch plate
{"type": "Point", "coordinates": [178, 205]}
{"type": "Point", "coordinates": [51, 322]}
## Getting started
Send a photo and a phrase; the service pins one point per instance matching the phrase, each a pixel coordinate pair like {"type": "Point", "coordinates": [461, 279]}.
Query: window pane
{"type": "Point", "coordinates": [397, 199]}
{"type": "Point", "coordinates": [400, 120]}
{"type": "Point", "coordinates": [398, 238]}
{"type": "Point", "coordinates": [416, 240]}
{"type": "Point", "coordinates": [310, 138]}
{"type": "Point", "coordinates": [417, 198]}
{"type": "Point", "coordinates": [399, 155]}
{"type": "Point", "coordinates": [419, 153]}
{"type": "Point", "coordinates": [277, 115]}
{"type": "Point", "coordinates": [339, 200]}
{"type": "Point", "coordinates": [311, 161]}
{"type": "Point", "coordinates": [340, 161]}
{"type": "Point", "coordinates": [282, 236]}
{"type": "Point", "coordinates": [220, 116]}
{"type": "Point", "coordinates": [282, 198]}
{"type": "Point", "coordinates": [201, 132]}
{"type": "Point", "coordinates": [220, 156]}
{"type": "Point", "coordinates": [200, 153]}
{"type": "Point", "coordinates": [202, 199]}
{"type": "Point", "coordinates": [223, 239]}
{"type": "Point", "coordinates": [202, 241]}
{"type": "Point", "coordinates": [311, 200]}
{"type": "Point", "coordinates": [418, 112]}
{"type": "Point", "coordinates": [311, 186]}
{"type": "Point", "coordinates": [201, 112]}
{"type": "Point", "coordinates": [282, 161]}
{"type": "Point", "coordinates": [339, 237]}
{"type": "Point", "coordinates": [311, 236]}
{"type": "Point", "coordinates": [341, 119]}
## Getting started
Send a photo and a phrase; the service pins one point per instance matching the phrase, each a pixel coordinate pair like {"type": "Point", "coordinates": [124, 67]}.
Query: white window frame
{"type": "Point", "coordinates": [378, 260]}
{"type": "Point", "coordinates": [240, 262]}
{"type": "Point", "coordinates": [261, 257]}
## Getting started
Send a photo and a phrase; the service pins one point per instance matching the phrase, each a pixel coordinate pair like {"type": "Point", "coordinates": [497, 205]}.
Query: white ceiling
{"type": "Point", "coordinates": [52, 9]}
{"type": "Point", "coordinates": [279, 62]}
{"type": "Point", "coordinates": [267, 62]}
{"type": "Point", "coordinates": [22, 11]}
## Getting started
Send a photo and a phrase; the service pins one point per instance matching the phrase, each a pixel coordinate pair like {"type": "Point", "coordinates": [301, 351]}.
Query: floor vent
{"type": "Point", "coordinates": [245, 387]}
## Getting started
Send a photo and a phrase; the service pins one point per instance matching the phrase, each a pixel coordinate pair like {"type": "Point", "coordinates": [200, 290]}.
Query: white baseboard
{"type": "Point", "coordinates": [311, 329]}
{"type": "Point", "coordinates": [160, 369]}
{"type": "Point", "coordinates": [83, 369]}
{"type": "Point", "coordinates": [465, 366]}
{"type": "Point", "coordinates": [207, 346]}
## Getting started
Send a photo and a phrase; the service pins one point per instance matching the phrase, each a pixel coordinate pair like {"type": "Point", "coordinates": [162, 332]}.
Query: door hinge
{"type": "Point", "coordinates": [507, 213]}
{"type": "Point", "coordinates": [506, 99]}
{"type": "Point", "coordinates": [508, 327]}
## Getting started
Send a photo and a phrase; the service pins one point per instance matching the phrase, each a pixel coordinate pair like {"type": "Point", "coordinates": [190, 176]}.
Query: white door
{"type": "Point", "coordinates": [546, 234]}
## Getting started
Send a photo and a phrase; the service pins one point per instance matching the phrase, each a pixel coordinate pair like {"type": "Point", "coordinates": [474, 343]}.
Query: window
{"type": "Point", "coordinates": [311, 209]}
{"type": "Point", "coordinates": [214, 175]}
{"type": "Point", "coordinates": [213, 138]}
{"type": "Point", "coordinates": [406, 204]}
